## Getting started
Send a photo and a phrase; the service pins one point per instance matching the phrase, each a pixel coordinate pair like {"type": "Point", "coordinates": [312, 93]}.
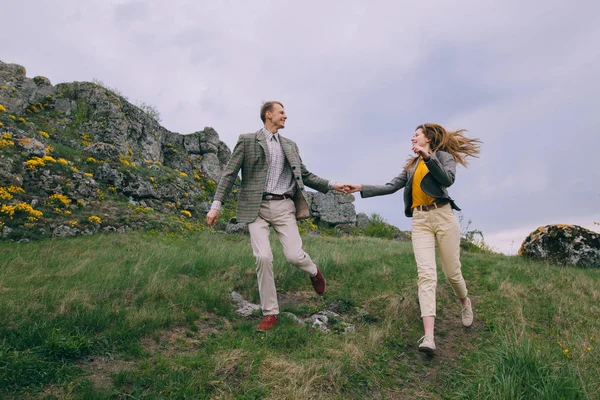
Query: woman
{"type": "Point", "coordinates": [425, 178]}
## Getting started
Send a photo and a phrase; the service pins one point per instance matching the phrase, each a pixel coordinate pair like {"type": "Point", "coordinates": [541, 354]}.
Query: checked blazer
{"type": "Point", "coordinates": [251, 155]}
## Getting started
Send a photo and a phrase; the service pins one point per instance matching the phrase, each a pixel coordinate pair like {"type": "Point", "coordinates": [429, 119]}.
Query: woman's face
{"type": "Point", "coordinates": [420, 139]}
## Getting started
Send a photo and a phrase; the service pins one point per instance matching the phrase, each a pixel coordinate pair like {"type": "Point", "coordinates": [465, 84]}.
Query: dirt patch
{"type": "Point", "coordinates": [181, 339]}
{"type": "Point", "coordinates": [100, 370]}
{"type": "Point", "coordinates": [297, 299]}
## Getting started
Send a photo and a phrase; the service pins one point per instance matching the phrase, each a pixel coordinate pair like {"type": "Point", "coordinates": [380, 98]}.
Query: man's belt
{"type": "Point", "coordinates": [270, 196]}
{"type": "Point", "coordinates": [428, 207]}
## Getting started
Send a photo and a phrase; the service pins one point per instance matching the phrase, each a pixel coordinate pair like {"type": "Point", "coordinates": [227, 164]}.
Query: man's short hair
{"type": "Point", "coordinates": [266, 107]}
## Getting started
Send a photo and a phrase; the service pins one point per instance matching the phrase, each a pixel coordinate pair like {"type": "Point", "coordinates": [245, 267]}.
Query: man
{"type": "Point", "coordinates": [273, 178]}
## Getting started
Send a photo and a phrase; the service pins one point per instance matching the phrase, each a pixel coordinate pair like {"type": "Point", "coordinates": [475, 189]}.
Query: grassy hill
{"type": "Point", "coordinates": [149, 316]}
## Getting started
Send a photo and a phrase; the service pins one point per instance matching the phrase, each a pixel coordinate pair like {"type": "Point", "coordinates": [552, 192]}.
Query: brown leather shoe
{"type": "Point", "coordinates": [318, 282]}
{"type": "Point", "coordinates": [267, 324]}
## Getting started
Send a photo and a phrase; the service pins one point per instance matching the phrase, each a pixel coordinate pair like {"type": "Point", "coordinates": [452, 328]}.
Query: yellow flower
{"type": "Point", "coordinates": [21, 119]}
{"type": "Point", "coordinates": [566, 351]}
{"type": "Point", "coordinates": [44, 134]}
{"type": "Point", "coordinates": [6, 135]}
{"type": "Point", "coordinates": [63, 161]}
{"type": "Point", "coordinates": [49, 158]}
{"type": "Point", "coordinates": [95, 220]}
{"type": "Point", "coordinates": [88, 175]}
{"type": "Point", "coordinates": [1, 124]}
{"type": "Point", "coordinates": [2, 108]}
{"type": "Point", "coordinates": [12, 117]}
{"type": "Point", "coordinates": [186, 213]}
{"type": "Point", "coordinates": [49, 149]}
{"type": "Point", "coordinates": [91, 159]}
{"type": "Point", "coordinates": [151, 179]}
{"type": "Point", "coordinates": [589, 348]}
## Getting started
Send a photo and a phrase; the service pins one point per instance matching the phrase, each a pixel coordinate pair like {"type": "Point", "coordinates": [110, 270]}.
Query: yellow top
{"type": "Point", "coordinates": [419, 197]}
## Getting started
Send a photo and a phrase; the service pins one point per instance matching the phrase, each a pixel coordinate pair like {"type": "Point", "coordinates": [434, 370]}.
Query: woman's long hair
{"type": "Point", "coordinates": [452, 142]}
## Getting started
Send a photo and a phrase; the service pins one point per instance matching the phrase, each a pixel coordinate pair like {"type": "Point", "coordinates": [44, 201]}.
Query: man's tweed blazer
{"type": "Point", "coordinates": [251, 155]}
{"type": "Point", "coordinates": [441, 175]}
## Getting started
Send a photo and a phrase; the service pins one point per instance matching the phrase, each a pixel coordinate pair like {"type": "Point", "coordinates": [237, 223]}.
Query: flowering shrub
{"type": "Point", "coordinates": [21, 208]}
{"type": "Point", "coordinates": [44, 134]}
{"type": "Point", "coordinates": [59, 203]}
{"type": "Point", "coordinates": [62, 161]}
{"type": "Point", "coordinates": [6, 193]}
{"type": "Point", "coordinates": [34, 163]}
{"type": "Point", "coordinates": [94, 220]}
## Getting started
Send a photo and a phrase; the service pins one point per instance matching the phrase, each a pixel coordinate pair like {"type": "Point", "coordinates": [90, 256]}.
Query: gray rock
{"type": "Point", "coordinates": [5, 232]}
{"type": "Point", "coordinates": [65, 106]}
{"type": "Point", "coordinates": [237, 228]}
{"type": "Point", "coordinates": [65, 231]}
{"type": "Point", "coordinates": [211, 166]}
{"type": "Point", "coordinates": [105, 173]}
{"type": "Point", "coordinates": [103, 151]}
{"type": "Point", "coordinates": [362, 220]}
{"type": "Point", "coordinates": [334, 208]}
{"type": "Point", "coordinates": [32, 147]}
{"type": "Point", "coordinates": [245, 308]}
{"type": "Point", "coordinates": [563, 244]}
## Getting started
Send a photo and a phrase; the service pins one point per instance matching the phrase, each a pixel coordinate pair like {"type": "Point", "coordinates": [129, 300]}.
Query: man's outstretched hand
{"type": "Point", "coordinates": [212, 217]}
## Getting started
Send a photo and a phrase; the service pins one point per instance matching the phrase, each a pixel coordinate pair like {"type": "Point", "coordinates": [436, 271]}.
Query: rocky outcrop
{"type": "Point", "coordinates": [563, 244]}
{"type": "Point", "coordinates": [79, 150]}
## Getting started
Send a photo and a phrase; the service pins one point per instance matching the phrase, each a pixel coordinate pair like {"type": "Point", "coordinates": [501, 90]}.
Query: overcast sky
{"type": "Point", "coordinates": [356, 78]}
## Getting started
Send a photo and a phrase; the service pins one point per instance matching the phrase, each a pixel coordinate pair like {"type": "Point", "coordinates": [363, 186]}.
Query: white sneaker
{"type": "Point", "coordinates": [427, 345]}
{"type": "Point", "coordinates": [466, 314]}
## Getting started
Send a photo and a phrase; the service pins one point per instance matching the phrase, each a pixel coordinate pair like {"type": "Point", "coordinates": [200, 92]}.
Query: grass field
{"type": "Point", "coordinates": [148, 316]}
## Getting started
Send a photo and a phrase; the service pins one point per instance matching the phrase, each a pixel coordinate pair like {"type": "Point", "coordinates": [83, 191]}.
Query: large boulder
{"type": "Point", "coordinates": [332, 207]}
{"type": "Point", "coordinates": [563, 244]}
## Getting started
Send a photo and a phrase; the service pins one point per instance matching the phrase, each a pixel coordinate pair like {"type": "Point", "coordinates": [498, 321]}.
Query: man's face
{"type": "Point", "coordinates": [277, 116]}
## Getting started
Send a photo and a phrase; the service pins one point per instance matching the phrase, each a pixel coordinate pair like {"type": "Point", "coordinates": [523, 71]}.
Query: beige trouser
{"type": "Point", "coordinates": [428, 227]}
{"type": "Point", "coordinates": [281, 215]}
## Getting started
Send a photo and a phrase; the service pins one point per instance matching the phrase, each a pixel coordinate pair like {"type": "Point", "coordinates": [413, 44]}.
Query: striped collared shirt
{"type": "Point", "coordinates": [279, 173]}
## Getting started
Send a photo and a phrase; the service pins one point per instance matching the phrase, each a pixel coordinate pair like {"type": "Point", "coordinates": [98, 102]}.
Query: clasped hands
{"type": "Point", "coordinates": [347, 187]}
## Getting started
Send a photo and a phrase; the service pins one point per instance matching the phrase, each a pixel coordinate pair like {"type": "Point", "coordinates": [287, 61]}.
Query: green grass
{"type": "Point", "coordinates": [150, 316]}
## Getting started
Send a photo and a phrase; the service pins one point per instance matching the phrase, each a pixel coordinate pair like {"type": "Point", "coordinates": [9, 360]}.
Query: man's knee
{"type": "Point", "coordinates": [264, 260]}
{"type": "Point", "coordinates": [296, 258]}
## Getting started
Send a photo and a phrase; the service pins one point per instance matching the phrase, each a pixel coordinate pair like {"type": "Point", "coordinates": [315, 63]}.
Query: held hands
{"type": "Point", "coordinates": [212, 217]}
{"type": "Point", "coordinates": [347, 187]}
